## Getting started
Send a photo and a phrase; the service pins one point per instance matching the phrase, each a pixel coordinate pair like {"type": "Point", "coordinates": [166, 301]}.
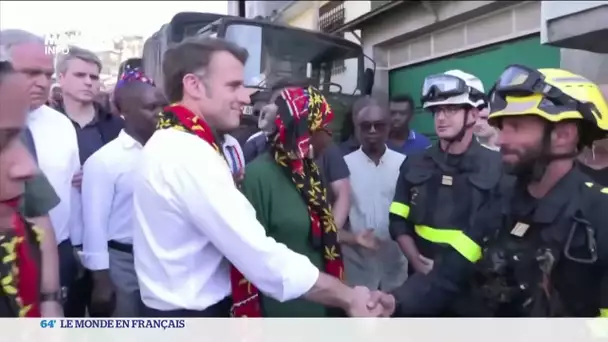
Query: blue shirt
{"type": "Point", "coordinates": [415, 142]}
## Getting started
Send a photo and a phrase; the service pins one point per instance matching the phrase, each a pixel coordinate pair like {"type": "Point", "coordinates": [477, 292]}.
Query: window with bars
{"type": "Point", "coordinates": [331, 16]}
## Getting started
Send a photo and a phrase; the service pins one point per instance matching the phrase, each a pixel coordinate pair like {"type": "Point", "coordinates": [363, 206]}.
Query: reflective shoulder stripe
{"type": "Point", "coordinates": [602, 190]}
{"type": "Point", "coordinates": [400, 209]}
{"type": "Point", "coordinates": [455, 238]}
{"type": "Point", "coordinates": [604, 313]}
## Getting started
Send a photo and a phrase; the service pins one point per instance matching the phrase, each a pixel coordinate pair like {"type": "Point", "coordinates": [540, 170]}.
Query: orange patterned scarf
{"type": "Point", "coordinates": [245, 297]}
{"type": "Point", "coordinates": [19, 266]}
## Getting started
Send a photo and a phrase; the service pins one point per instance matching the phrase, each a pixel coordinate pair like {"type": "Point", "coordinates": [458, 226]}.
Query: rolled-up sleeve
{"type": "Point", "coordinates": [400, 209]}
{"type": "Point", "coordinates": [227, 219]}
{"type": "Point", "coordinates": [97, 196]}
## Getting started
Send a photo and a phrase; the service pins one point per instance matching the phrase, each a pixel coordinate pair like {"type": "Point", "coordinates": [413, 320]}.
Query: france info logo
{"type": "Point", "coordinates": [58, 43]}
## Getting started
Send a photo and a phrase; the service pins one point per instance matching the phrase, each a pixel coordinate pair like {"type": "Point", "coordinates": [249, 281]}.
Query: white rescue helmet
{"type": "Point", "coordinates": [453, 87]}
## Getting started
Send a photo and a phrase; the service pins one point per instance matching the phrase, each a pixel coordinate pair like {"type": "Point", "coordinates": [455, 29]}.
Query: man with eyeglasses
{"type": "Point", "coordinates": [50, 138]}
{"type": "Point", "coordinates": [440, 191]}
{"type": "Point", "coordinates": [371, 258]}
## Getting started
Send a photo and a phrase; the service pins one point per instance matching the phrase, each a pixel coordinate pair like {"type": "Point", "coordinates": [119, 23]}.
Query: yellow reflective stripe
{"type": "Point", "coordinates": [602, 190]}
{"type": "Point", "coordinates": [604, 313]}
{"type": "Point", "coordinates": [455, 238]}
{"type": "Point", "coordinates": [400, 209]}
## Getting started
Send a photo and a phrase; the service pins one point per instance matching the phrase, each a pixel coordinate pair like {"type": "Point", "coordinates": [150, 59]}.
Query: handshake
{"type": "Point", "coordinates": [367, 303]}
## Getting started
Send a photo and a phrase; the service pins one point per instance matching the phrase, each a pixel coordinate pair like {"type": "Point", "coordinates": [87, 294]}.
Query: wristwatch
{"type": "Point", "coordinates": [57, 296]}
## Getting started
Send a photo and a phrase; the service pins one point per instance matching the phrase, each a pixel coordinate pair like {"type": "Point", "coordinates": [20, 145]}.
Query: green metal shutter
{"type": "Point", "coordinates": [485, 63]}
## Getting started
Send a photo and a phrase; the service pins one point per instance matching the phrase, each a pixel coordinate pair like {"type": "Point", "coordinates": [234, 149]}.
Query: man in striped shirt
{"type": "Point", "coordinates": [234, 156]}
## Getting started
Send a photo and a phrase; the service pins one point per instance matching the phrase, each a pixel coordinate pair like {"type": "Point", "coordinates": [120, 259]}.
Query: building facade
{"type": "Point", "coordinates": [411, 40]}
{"type": "Point", "coordinates": [408, 40]}
{"type": "Point", "coordinates": [580, 28]}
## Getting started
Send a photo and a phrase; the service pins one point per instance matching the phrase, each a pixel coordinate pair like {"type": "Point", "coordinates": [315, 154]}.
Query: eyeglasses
{"type": "Point", "coordinates": [367, 126]}
{"type": "Point", "coordinates": [447, 111]}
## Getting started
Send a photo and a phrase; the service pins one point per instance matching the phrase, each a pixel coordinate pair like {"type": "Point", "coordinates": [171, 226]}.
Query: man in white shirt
{"type": "Point", "coordinates": [107, 200]}
{"type": "Point", "coordinates": [53, 135]}
{"type": "Point", "coordinates": [371, 258]}
{"type": "Point", "coordinates": [191, 222]}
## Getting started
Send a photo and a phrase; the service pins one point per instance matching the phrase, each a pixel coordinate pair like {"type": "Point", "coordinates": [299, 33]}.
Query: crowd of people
{"type": "Point", "coordinates": [141, 203]}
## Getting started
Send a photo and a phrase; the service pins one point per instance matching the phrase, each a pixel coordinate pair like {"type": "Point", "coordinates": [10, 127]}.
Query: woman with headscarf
{"type": "Point", "coordinates": [285, 188]}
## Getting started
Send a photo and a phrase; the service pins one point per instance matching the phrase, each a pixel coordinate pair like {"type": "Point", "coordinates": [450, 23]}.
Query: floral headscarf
{"type": "Point", "coordinates": [300, 113]}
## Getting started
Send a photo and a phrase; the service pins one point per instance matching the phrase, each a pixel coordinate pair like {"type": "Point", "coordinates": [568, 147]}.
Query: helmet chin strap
{"type": "Point", "coordinates": [460, 135]}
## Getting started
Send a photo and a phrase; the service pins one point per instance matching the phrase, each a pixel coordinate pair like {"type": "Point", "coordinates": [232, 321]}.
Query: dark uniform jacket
{"type": "Point", "coordinates": [439, 196]}
{"type": "Point", "coordinates": [541, 257]}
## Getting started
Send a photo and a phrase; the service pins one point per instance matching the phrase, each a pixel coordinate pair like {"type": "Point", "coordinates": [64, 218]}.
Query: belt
{"type": "Point", "coordinates": [219, 309]}
{"type": "Point", "coordinates": [119, 246]}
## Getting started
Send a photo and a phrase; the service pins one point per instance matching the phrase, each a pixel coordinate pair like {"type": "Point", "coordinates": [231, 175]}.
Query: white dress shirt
{"type": "Point", "coordinates": [57, 151]}
{"type": "Point", "coordinates": [107, 199]}
{"type": "Point", "coordinates": [190, 219]}
{"type": "Point", "coordinates": [373, 190]}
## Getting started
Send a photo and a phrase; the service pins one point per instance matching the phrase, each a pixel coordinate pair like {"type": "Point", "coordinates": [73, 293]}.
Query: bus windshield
{"type": "Point", "coordinates": [277, 52]}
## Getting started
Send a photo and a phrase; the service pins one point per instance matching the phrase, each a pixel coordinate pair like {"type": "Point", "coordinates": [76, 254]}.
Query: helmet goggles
{"type": "Point", "coordinates": [443, 86]}
{"type": "Point", "coordinates": [520, 81]}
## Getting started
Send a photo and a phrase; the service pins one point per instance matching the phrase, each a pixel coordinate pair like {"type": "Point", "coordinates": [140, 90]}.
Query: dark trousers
{"type": "Point", "coordinates": [77, 287]}
{"type": "Point", "coordinates": [68, 271]}
{"type": "Point", "coordinates": [221, 309]}
{"type": "Point", "coordinates": [67, 264]}
{"type": "Point", "coordinates": [79, 297]}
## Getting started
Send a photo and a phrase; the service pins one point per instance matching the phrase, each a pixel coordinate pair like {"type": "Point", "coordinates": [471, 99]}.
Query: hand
{"type": "Point", "coordinates": [384, 300]}
{"type": "Point", "coordinates": [425, 265]}
{"type": "Point", "coordinates": [80, 270]}
{"type": "Point", "coordinates": [367, 239]}
{"type": "Point", "coordinates": [77, 180]}
{"type": "Point", "coordinates": [363, 305]}
{"type": "Point", "coordinates": [103, 298]}
{"type": "Point", "coordinates": [238, 177]}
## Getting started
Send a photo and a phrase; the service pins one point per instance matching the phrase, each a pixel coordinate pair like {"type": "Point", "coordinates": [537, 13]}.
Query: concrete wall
{"type": "Point", "coordinates": [551, 10]}
{"type": "Point", "coordinates": [307, 18]}
{"type": "Point", "coordinates": [593, 66]}
{"type": "Point", "coordinates": [422, 31]}
{"type": "Point", "coordinates": [256, 8]}
{"type": "Point", "coordinates": [232, 7]}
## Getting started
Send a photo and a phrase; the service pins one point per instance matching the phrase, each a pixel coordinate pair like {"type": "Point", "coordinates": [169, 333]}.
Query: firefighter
{"type": "Point", "coordinates": [440, 190]}
{"type": "Point", "coordinates": [549, 255]}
